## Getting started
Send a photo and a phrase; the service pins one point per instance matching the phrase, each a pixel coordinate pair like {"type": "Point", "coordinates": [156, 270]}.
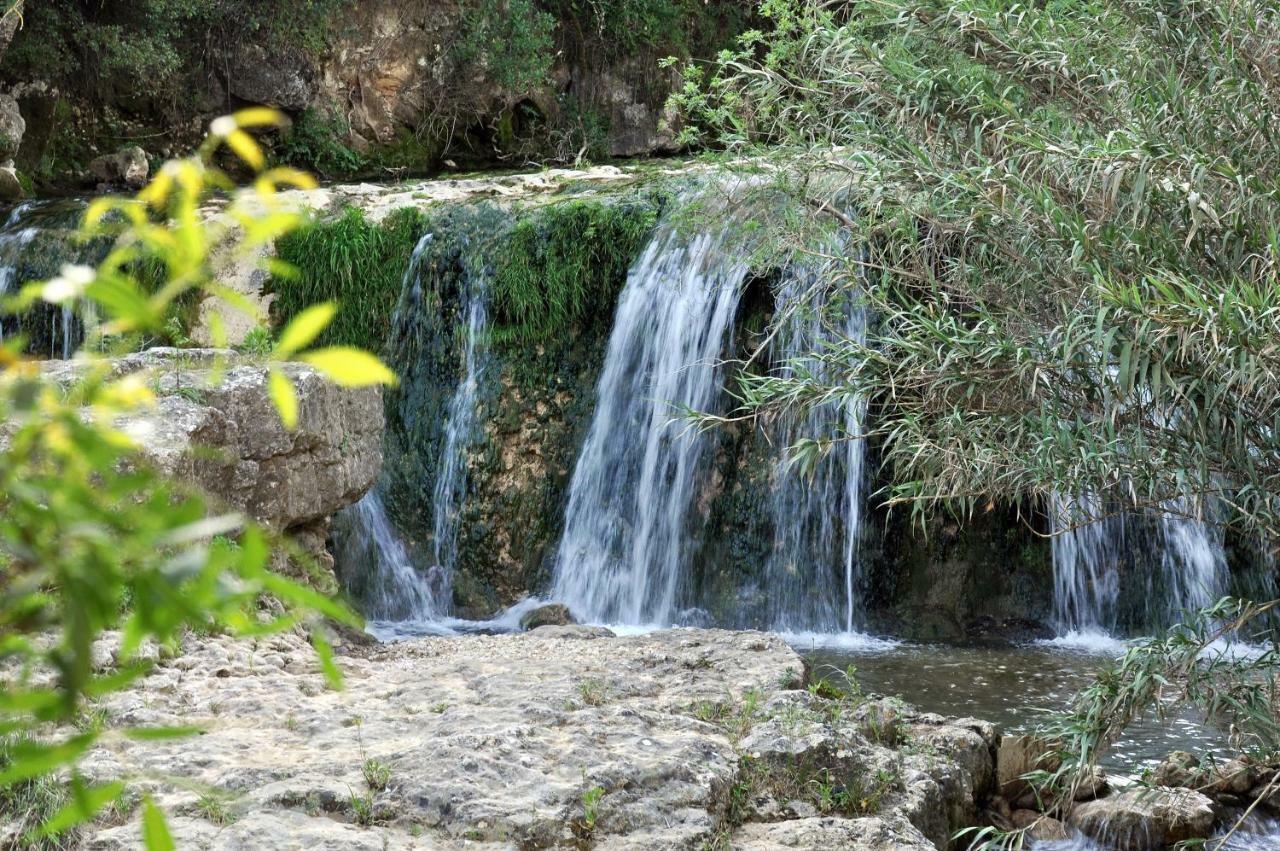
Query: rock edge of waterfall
{"type": "Point", "coordinates": [563, 737]}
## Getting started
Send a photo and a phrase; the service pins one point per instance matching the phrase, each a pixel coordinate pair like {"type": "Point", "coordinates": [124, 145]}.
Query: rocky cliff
{"type": "Point", "coordinates": [373, 87]}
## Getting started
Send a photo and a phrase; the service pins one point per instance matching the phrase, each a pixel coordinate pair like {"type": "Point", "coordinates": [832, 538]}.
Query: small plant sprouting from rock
{"type": "Point", "coordinates": [591, 806]}
{"type": "Point", "coordinates": [212, 806]}
{"type": "Point", "coordinates": [361, 807]}
{"type": "Point", "coordinates": [438, 708]}
{"type": "Point", "coordinates": [593, 692]}
{"type": "Point", "coordinates": [377, 774]}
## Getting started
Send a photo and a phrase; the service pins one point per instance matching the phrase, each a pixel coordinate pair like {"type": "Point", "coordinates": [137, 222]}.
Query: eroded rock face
{"type": "Point", "coordinates": [226, 436]}
{"type": "Point", "coordinates": [528, 740]}
{"type": "Point", "coordinates": [1145, 819]}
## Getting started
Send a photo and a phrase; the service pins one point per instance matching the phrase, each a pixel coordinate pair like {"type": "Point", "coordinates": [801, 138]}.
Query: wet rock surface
{"type": "Point", "coordinates": [1145, 819]}
{"type": "Point", "coordinates": [680, 739]}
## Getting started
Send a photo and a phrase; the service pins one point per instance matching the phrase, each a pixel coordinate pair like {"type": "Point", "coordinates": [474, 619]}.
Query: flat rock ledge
{"type": "Point", "coordinates": [563, 737]}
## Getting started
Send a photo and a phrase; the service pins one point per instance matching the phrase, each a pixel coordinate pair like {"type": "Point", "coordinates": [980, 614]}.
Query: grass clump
{"type": "Point", "coordinates": [564, 263]}
{"type": "Point", "coordinates": [351, 260]}
{"type": "Point", "coordinates": [377, 774]}
{"type": "Point", "coordinates": [28, 804]}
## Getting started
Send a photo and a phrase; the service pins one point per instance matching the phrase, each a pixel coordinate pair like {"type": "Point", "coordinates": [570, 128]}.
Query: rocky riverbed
{"type": "Point", "coordinates": [561, 737]}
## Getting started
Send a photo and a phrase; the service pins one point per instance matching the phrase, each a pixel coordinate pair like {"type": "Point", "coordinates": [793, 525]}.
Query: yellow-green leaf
{"type": "Point", "coordinates": [304, 328]}
{"type": "Point", "coordinates": [155, 832]}
{"type": "Point", "coordinates": [284, 398]}
{"type": "Point", "coordinates": [350, 367]}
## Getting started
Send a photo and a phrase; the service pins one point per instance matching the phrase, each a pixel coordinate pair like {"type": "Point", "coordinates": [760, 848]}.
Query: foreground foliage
{"type": "Point", "coordinates": [101, 558]}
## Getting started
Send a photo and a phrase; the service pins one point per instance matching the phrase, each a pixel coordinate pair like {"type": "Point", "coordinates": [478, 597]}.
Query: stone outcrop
{"type": "Point", "coordinates": [217, 428]}
{"type": "Point", "coordinates": [1145, 819]}
{"type": "Point", "coordinates": [127, 167]}
{"type": "Point", "coordinates": [532, 740]}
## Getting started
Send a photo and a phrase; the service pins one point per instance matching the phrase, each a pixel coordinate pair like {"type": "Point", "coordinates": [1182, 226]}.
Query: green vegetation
{"type": "Point", "coordinates": [377, 774]}
{"type": "Point", "coordinates": [117, 44]}
{"type": "Point", "coordinates": [212, 806]}
{"type": "Point", "coordinates": [30, 803]}
{"type": "Point", "coordinates": [97, 544]}
{"type": "Point", "coordinates": [510, 42]}
{"type": "Point", "coordinates": [563, 263]}
{"type": "Point", "coordinates": [318, 143]}
{"type": "Point", "coordinates": [354, 262]}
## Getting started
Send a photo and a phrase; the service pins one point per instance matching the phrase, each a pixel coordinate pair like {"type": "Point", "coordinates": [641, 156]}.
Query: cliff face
{"type": "Point", "coordinates": [375, 88]}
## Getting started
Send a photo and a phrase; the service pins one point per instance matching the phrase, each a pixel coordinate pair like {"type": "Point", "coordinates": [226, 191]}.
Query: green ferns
{"type": "Point", "coordinates": [564, 263]}
{"type": "Point", "coordinates": [356, 262]}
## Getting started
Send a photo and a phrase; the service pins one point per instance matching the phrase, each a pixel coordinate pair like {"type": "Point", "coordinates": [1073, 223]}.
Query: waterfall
{"type": "Point", "coordinates": [1087, 545]}
{"type": "Point", "coordinates": [461, 429]}
{"type": "Point", "coordinates": [1179, 551]}
{"type": "Point", "coordinates": [13, 243]}
{"type": "Point", "coordinates": [623, 555]}
{"type": "Point", "coordinates": [394, 589]}
{"type": "Point", "coordinates": [816, 514]}
{"type": "Point", "coordinates": [1192, 558]}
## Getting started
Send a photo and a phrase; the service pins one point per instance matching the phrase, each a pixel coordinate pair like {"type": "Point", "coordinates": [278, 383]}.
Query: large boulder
{"type": "Point", "coordinates": [12, 128]}
{"type": "Point", "coordinates": [219, 429]}
{"type": "Point", "coordinates": [1145, 819]}
{"type": "Point", "coordinates": [1020, 755]}
{"type": "Point", "coordinates": [126, 167]}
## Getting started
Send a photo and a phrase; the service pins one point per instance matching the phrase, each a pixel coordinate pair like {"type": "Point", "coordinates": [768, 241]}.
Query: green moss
{"type": "Point", "coordinates": [351, 260]}
{"type": "Point", "coordinates": [564, 262]}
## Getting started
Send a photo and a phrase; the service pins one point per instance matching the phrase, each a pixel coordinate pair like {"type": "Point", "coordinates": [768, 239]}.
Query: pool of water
{"type": "Point", "coordinates": [1012, 686]}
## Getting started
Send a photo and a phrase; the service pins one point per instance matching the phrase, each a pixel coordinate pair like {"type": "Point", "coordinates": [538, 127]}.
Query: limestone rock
{"type": "Point", "coordinates": [552, 614]}
{"type": "Point", "coordinates": [226, 435]}
{"type": "Point", "coordinates": [126, 167]}
{"type": "Point", "coordinates": [1019, 755]}
{"type": "Point", "coordinates": [1043, 828]}
{"type": "Point", "coordinates": [10, 187]}
{"type": "Point", "coordinates": [1145, 819]}
{"type": "Point", "coordinates": [12, 126]}
{"type": "Point", "coordinates": [882, 834]}
{"type": "Point", "coordinates": [281, 78]}
{"type": "Point", "coordinates": [1177, 769]}
{"type": "Point", "coordinates": [487, 740]}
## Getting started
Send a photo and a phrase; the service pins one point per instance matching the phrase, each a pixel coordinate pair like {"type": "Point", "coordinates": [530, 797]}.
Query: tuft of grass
{"type": "Point", "coordinates": [377, 774]}
{"type": "Point", "coordinates": [353, 261]}
{"type": "Point", "coordinates": [563, 263]}
{"type": "Point", "coordinates": [593, 692]}
{"type": "Point", "coordinates": [28, 804]}
{"type": "Point", "coordinates": [212, 806]}
{"type": "Point", "coordinates": [361, 807]}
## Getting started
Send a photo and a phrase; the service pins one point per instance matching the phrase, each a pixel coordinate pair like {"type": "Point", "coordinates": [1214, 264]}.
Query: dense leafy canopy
{"type": "Point", "coordinates": [1066, 220]}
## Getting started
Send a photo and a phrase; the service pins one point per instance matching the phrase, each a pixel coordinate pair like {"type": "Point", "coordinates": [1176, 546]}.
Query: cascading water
{"type": "Point", "coordinates": [623, 555]}
{"type": "Point", "coordinates": [1087, 545]}
{"type": "Point", "coordinates": [393, 588]}
{"type": "Point", "coordinates": [817, 514]}
{"type": "Point", "coordinates": [1179, 552]}
{"type": "Point", "coordinates": [460, 430]}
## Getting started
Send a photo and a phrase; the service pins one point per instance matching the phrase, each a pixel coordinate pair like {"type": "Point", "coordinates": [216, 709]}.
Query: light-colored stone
{"type": "Point", "coordinates": [1145, 819]}
{"type": "Point", "coordinates": [126, 167]}
{"type": "Point", "coordinates": [12, 125]}
{"type": "Point", "coordinates": [881, 834]}
{"type": "Point", "coordinates": [488, 739]}
{"type": "Point", "coordinates": [1019, 755]}
{"type": "Point", "coordinates": [220, 430]}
